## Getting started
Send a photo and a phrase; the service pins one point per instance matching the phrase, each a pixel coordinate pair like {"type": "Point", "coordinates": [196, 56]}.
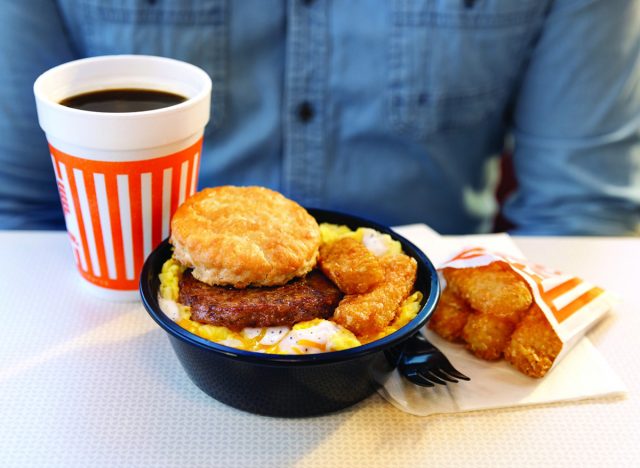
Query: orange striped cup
{"type": "Point", "coordinates": [121, 176]}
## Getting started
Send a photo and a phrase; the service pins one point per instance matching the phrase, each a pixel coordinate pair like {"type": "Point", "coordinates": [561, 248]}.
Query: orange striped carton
{"type": "Point", "coordinates": [116, 212]}
{"type": "Point", "coordinates": [570, 304]}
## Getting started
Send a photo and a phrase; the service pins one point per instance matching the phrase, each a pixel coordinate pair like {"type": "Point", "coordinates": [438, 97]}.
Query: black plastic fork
{"type": "Point", "coordinates": [423, 364]}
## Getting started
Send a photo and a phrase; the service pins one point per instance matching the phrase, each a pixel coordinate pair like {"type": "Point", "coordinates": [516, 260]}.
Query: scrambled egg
{"type": "Point", "coordinates": [313, 336]}
{"type": "Point", "coordinates": [379, 244]}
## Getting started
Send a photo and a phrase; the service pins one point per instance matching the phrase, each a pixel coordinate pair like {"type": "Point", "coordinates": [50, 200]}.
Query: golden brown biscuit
{"type": "Point", "coordinates": [450, 316]}
{"type": "Point", "coordinates": [367, 314]}
{"type": "Point", "coordinates": [350, 265]}
{"type": "Point", "coordinates": [241, 236]}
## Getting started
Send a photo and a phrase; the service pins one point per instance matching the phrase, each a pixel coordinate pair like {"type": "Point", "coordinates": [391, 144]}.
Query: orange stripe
{"type": "Point", "coordinates": [475, 252]}
{"type": "Point", "coordinates": [156, 210]}
{"type": "Point", "coordinates": [187, 177]}
{"type": "Point", "coordinates": [135, 200]}
{"type": "Point", "coordinates": [120, 283]}
{"type": "Point", "coordinates": [55, 163]}
{"type": "Point", "coordinates": [526, 270]}
{"type": "Point", "coordinates": [462, 254]}
{"type": "Point", "coordinates": [538, 284]}
{"type": "Point", "coordinates": [470, 256]}
{"type": "Point", "coordinates": [187, 190]}
{"type": "Point", "coordinates": [76, 203]}
{"type": "Point", "coordinates": [560, 289]}
{"type": "Point", "coordinates": [97, 226]}
{"type": "Point", "coordinates": [578, 303]}
{"type": "Point", "coordinates": [128, 167]}
{"type": "Point", "coordinates": [111, 185]}
{"type": "Point", "coordinates": [194, 166]}
{"type": "Point", "coordinates": [474, 249]}
{"type": "Point", "coordinates": [175, 189]}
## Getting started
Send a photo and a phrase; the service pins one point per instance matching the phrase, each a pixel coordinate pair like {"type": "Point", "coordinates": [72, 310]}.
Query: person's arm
{"type": "Point", "coordinates": [577, 123]}
{"type": "Point", "coordinates": [32, 39]}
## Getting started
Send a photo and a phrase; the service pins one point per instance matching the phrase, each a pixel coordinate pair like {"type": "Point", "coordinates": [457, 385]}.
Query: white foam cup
{"type": "Point", "coordinates": [121, 176]}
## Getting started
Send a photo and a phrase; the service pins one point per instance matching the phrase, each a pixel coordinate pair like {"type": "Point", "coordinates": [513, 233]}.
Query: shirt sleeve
{"type": "Point", "coordinates": [32, 40]}
{"type": "Point", "coordinates": [577, 123]}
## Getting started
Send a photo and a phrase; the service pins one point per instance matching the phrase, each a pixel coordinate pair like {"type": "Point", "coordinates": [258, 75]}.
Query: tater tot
{"type": "Point", "coordinates": [368, 314]}
{"type": "Point", "coordinates": [487, 335]}
{"type": "Point", "coordinates": [450, 316]}
{"type": "Point", "coordinates": [534, 345]}
{"type": "Point", "coordinates": [350, 265]}
{"type": "Point", "coordinates": [493, 289]}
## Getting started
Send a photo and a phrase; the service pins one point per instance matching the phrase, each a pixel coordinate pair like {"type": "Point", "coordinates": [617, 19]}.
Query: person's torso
{"type": "Point", "coordinates": [387, 109]}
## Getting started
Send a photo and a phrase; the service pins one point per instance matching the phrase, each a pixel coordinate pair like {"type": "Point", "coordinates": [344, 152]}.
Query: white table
{"type": "Point", "coordinates": [90, 383]}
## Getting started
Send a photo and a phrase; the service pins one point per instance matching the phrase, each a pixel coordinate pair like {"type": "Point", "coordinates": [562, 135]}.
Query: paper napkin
{"type": "Point", "coordinates": [583, 373]}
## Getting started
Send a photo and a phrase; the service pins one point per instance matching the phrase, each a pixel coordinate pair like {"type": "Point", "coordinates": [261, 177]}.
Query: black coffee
{"type": "Point", "coordinates": [123, 100]}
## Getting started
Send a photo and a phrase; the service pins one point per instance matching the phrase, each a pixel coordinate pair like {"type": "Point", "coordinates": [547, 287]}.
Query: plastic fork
{"type": "Point", "coordinates": [423, 364]}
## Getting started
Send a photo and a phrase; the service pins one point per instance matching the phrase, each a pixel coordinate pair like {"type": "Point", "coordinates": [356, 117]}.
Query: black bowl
{"type": "Point", "coordinates": [291, 385]}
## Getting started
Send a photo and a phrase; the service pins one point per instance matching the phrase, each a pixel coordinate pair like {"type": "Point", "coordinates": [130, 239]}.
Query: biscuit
{"type": "Point", "coordinates": [244, 236]}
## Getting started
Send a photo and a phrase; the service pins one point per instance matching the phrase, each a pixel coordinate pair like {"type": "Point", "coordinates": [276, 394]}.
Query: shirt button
{"type": "Point", "coordinates": [305, 112]}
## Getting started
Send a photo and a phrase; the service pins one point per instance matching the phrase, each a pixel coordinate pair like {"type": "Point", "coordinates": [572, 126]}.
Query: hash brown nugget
{"type": "Point", "coordinates": [494, 289]}
{"type": "Point", "coordinates": [450, 316]}
{"type": "Point", "coordinates": [534, 345]}
{"type": "Point", "coordinates": [350, 265]}
{"type": "Point", "coordinates": [368, 314]}
{"type": "Point", "coordinates": [486, 335]}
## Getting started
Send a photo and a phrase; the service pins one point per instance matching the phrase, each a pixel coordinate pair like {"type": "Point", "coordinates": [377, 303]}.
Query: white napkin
{"type": "Point", "coordinates": [583, 373]}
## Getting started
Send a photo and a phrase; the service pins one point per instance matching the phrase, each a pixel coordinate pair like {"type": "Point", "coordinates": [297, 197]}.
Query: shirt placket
{"type": "Point", "coordinates": [305, 101]}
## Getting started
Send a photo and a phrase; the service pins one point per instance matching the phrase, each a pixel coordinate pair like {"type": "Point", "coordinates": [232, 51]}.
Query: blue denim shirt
{"type": "Point", "coordinates": [393, 109]}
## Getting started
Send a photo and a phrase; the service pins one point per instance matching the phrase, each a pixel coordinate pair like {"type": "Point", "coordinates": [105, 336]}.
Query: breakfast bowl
{"type": "Point", "coordinates": [291, 385]}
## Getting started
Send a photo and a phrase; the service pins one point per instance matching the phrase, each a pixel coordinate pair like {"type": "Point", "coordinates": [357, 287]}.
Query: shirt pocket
{"type": "Point", "coordinates": [453, 65]}
{"type": "Point", "coordinates": [194, 31]}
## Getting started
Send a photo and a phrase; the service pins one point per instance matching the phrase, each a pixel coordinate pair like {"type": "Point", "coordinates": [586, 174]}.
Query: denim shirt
{"type": "Point", "coordinates": [395, 110]}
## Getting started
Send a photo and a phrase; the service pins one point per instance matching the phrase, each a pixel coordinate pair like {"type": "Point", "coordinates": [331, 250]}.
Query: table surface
{"type": "Point", "coordinates": [85, 382]}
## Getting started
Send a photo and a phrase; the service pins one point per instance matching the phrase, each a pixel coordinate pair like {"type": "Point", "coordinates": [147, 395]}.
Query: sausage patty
{"type": "Point", "coordinates": [312, 296]}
